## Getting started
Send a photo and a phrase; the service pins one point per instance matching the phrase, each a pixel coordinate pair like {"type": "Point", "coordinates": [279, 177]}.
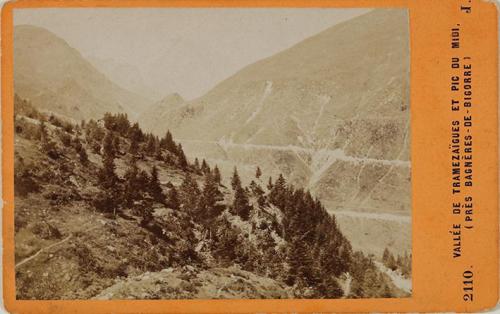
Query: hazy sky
{"type": "Point", "coordinates": [183, 50]}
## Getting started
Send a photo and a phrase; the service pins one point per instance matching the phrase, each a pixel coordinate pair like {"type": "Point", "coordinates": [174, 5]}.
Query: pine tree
{"type": "Point", "coordinates": [155, 186]}
{"type": "Point", "coordinates": [150, 145]}
{"type": "Point", "coordinates": [204, 167]}
{"type": "Point", "coordinates": [82, 153]}
{"type": "Point", "coordinates": [108, 146]}
{"type": "Point", "coordinates": [170, 144]}
{"type": "Point", "coordinates": [132, 185]}
{"type": "Point", "coordinates": [217, 175]}
{"type": "Point", "coordinates": [190, 193]}
{"type": "Point", "coordinates": [173, 198]}
{"type": "Point", "coordinates": [196, 165]}
{"type": "Point", "coordinates": [270, 184]}
{"type": "Point", "coordinates": [135, 133]}
{"type": "Point", "coordinates": [134, 146]}
{"type": "Point", "coordinates": [277, 195]}
{"type": "Point", "coordinates": [110, 198]}
{"type": "Point", "coordinates": [182, 157]}
{"type": "Point", "coordinates": [158, 152]}
{"type": "Point", "coordinates": [235, 180]}
{"type": "Point", "coordinates": [241, 206]}
{"type": "Point", "coordinates": [210, 198]}
{"type": "Point", "coordinates": [258, 173]}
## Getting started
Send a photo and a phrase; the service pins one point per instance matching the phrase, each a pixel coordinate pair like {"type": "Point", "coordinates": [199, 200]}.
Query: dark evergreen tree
{"type": "Point", "coordinates": [270, 184]}
{"type": "Point", "coordinates": [204, 167]}
{"type": "Point", "coordinates": [173, 198]}
{"type": "Point", "coordinates": [155, 186]}
{"type": "Point", "coordinates": [258, 173]}
{"type": "Point", "coordinates": [134, 146]}
{"type": "Point", "coordinates": [182, 157]}
{"type": "Point", "coordinates": [132, 191]}
{"type": "Point", "coordinates": [170, 144]}
{"type": "Point", "coordinates": [210, 197]}
{"type": "Point", "coordinates": [235, 180]}
{"type": "Point", "coordinates": [109, 199]}
{"type": "Point", "coordinates": [108, 146]}
{"type": "Point", "coordinates": [196, 165]}
{"type": "Point", "coordinates": [241, 206]}
{"type": "Point", "coordinates": [150, 145]}
{"type": "Point", "coordinates": [190, 193]}
{"type": "Point", "coordinates": [217, 175]}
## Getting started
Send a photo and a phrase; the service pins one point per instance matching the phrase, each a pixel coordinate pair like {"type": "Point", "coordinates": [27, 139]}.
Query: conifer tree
{"type": "Point", "coordinates": [108, 146]}
{"type": "Point", "coordinates": [182, 157]}
{"type": "Point", "coordinates": [204, 167]}
{"type": "Point", "coordinates": [196, 165]}
{"type": "Point", "coordinates": [155, 187]}
{"type": "Point", "coordinates": [150, 145]}
{"type": "Point", "coordinates": [210, 198]}
{"type": "Point", "coordinates": [277, 195]}
{"type": "Point", "coordinates": [235, 180]}
{"type": "Point", "coordinates": [217, 175]}
{"type": "Point", "coordinates": [134, 146]}
{"type": "Point", "coordinates": [132, 185]}
{"type": "Point", "coordinates": [258, 173]}
{"type": "Point", "coordinates": [109, 199]}
{"type": "Point", "coordinates": [241, 206]}
{"type": "Point", "coordinates": [170, 144]}
{"type": "Point", "coordinates": [173, 198]}
{"type": "Point", "coordinates": [190, 193]}
{"type": "Point", "coordinates": [270, 184]}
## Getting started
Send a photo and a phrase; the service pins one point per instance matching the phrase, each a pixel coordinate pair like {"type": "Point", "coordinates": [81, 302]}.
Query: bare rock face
{"type": "Point", "coordinates": [331, 113]}
{"type": "Point", "coordinates": [56, 78]}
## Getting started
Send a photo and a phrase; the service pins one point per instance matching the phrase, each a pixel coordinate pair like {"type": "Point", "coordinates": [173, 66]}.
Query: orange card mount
{"type": "Point", "coordinates": [249, 156]}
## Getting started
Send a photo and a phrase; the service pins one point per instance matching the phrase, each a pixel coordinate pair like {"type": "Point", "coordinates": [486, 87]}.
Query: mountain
{"type": "Point", "coordinates": [56, 78]}
{"type": "Point", "coordinates": [331, 113]}
{"type": "Point", "coordinates": [125, 75]}
{"type": "Point", "coordinates": [158, 112]}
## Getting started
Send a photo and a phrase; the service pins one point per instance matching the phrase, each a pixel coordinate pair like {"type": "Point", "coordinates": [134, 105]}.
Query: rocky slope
{"type": "Point", "coordinates": [58, 79]}
{"type": "Point", "coordinates": [165, 228]}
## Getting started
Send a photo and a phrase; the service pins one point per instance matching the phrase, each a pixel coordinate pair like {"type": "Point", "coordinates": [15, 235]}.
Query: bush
{"type": "Point", "coordinates": [24, 180]}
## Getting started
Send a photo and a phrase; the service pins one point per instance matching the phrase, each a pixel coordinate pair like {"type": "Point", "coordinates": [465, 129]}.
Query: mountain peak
{"type": "Point", "coordinates": [173, 99]}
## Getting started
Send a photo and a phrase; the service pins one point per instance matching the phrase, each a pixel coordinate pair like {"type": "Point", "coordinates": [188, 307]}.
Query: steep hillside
{"type": "Point", "coordinates": [58, 79]}
{"type": "Point", "coordinates": [331, 113]}
{"type": "Point", "coordinates": [105, 210]}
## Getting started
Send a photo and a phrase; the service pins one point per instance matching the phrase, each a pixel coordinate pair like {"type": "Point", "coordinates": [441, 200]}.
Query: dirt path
{"type": "Point", "coordinates": [49, 247]}
{"type": "Point", "coordinates": [41, 250]}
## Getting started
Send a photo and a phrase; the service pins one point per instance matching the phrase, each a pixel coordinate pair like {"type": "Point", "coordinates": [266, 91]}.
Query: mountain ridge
{"type": "Point", "coordinates": [55, 76]}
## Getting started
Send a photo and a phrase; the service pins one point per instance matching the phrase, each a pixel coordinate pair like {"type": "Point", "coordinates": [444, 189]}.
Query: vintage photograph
{"type": "Point", "coordinates": [212, 153]}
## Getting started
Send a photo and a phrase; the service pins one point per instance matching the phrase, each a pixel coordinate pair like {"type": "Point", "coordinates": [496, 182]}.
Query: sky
{"type": "Point", "coordinates": [186, 50]}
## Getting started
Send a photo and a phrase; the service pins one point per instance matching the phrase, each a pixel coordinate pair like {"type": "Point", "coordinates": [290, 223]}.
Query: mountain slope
{"type": "Point", "coordinates": [55, 77]}
{"type": "Point", "coordinates": [334, 103]}
{"type": "Point", "coordinates": [126, 222]}
{"type": "Point", "coordinates": [125, 75]}
{"type": "Point", "coordinates": [331, 113]}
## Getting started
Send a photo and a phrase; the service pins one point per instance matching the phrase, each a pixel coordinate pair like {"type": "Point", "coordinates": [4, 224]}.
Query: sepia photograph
{"type": "Point", "coordinates": [212, 153]}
